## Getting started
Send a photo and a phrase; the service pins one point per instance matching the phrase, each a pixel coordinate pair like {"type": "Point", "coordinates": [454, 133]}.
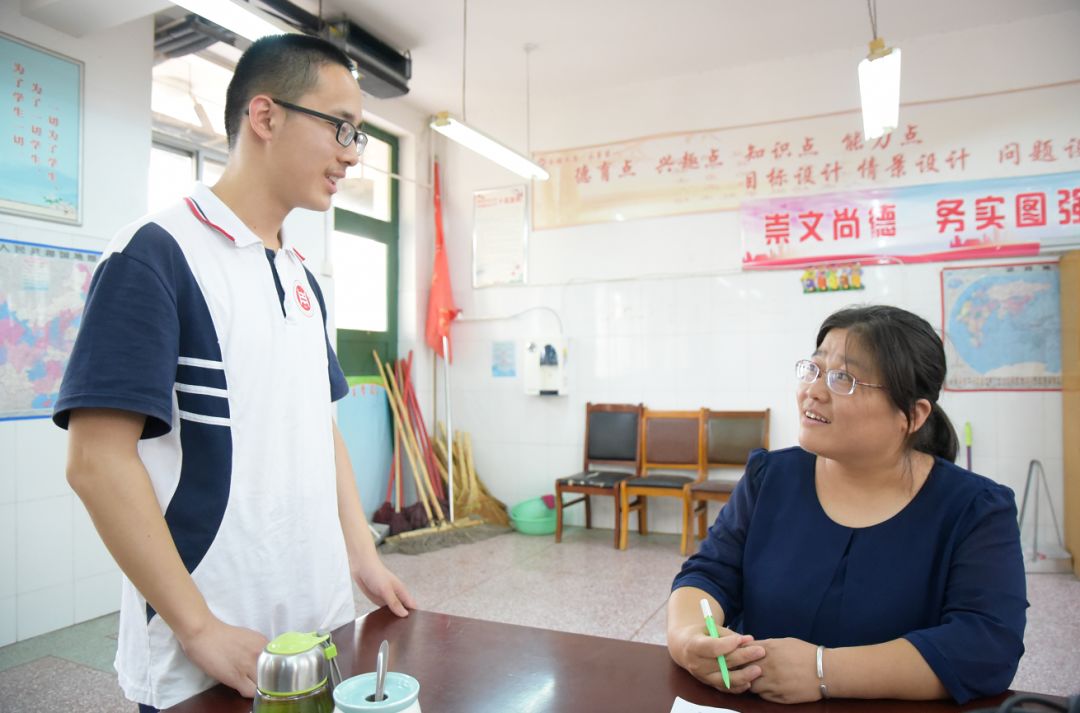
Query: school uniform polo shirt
{"type": "Point", "coordinates": [222, 345]}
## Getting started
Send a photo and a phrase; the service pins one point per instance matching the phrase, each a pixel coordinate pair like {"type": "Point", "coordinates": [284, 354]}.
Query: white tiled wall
{"type": "Point", "coordinates": [43, 543]}
{"type": "Point", "coordinates": [658, 311]}
{"type": "Point", "coordinates": [7, 550]}
{"type": "Point", "coordinates": [96, 595]}
{"type": "Point", "coordinates": [730, 344]}
{"type": "Point", "coordinates": [44, 610]}
{"type": "Point", "coordinates": [40, 460]}
{"type": "Point", "coordinates": [7, 621]}
{"type": "Point", "coordinates": [53, 569]}
{"type": "Point", "coordinates": [8, 470]}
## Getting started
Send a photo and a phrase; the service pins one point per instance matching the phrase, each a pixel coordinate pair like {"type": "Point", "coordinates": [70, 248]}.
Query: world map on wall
{"type": "Point", "coordinates": [1002, 327]}
{"type": "Point", "coordinates": [42, 292]}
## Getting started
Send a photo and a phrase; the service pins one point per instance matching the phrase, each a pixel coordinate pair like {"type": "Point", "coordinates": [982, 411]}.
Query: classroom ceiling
{"type": "Point", "coordinates": [583, 44]}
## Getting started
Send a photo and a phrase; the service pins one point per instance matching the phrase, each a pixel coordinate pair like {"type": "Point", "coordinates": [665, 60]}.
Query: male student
{"type": "Point", "coordinates": [198, 399]}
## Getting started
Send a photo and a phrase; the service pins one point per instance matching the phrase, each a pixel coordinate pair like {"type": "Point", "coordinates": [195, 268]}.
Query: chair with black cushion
{"type": "Point", "coordinates": [611, 440]}
{"type": "Point", "coordinates": [670, 441]}
{"type": "Point", "coordinates": [730, 437]}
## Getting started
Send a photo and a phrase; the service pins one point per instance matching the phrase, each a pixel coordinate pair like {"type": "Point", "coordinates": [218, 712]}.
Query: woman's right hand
{"type": "Point", "coordinates": [693, 649]}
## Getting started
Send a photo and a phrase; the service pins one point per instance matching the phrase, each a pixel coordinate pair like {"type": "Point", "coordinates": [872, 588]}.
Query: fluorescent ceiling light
{"type": "Point", "coordinates": [879, 89]}
{"type": "Point", "coordinates": [487, 147]}
{"type": "Point", "coordinates": [240, 19]}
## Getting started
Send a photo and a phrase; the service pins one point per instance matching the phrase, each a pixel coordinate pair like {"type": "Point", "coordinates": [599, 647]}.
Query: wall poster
{"type": "Point", "coordinates": [1002, 327]}
{"type": "Point", "coordinates": [40, 132]}
{"type": "Point", "coordinates": [500, 236]}
{"type": "Point", "coordinates": [42, 292]}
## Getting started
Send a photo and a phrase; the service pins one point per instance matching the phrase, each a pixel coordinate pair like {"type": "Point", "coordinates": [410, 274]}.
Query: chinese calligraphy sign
{"type": "Point", "coordinates": [40, 134]}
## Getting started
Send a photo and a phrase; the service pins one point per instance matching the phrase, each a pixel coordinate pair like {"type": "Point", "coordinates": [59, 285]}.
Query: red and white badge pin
{"type": "Point", "coordinates": [303, 299]}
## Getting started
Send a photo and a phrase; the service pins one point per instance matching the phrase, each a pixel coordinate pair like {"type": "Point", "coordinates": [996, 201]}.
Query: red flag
{"type": "Point", "coordinates": [441, 309]}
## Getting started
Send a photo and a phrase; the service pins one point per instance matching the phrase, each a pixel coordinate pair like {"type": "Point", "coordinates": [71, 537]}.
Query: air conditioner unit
{"type": "Point", "coordinates": [384, 72]}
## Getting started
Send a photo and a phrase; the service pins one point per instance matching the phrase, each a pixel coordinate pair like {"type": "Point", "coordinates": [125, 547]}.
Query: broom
{"type": "Point", "coordinates": [425, 491]}
{"type": "Point", "coordinates": [460, 455]}
{"type": "Point", "coordinates": [472, 499]}
{"type": "Point", "coordinates": [487, 506]}
{"type": "Point", "coordinates": [408, 450]}
{"type": "Point", "coordinates": [441, 463]}
{"type": "Point", "coordinates": [411, 445]}
{"type": "Point", "coordinates": [419, 475]}
{"type": "Point", "coordinates": [450, 466]}
{"type": "Point", "coordinates": [440, 533]}
{"type": "Point", "coordinates": [417, 421]}
{"type": "Point", "coordinates": [388, 514]}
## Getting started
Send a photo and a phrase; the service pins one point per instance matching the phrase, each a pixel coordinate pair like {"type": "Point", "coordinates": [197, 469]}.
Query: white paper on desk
{"type": "Point", "coordinates": [681, 706]}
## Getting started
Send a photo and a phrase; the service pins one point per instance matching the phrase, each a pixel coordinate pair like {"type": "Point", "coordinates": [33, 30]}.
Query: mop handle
{"type": "Point", "coordinates": [449, 424]}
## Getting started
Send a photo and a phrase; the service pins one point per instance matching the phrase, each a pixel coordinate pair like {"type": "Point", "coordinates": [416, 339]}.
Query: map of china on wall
{"type": "Point", "coordinates": [42, 292]}
{"type": "Point", "coordinates": [1002, 327]}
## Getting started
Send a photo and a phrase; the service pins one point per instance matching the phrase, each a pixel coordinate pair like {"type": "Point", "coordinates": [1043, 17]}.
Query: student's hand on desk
{"type": "Point", "coordinates": [789, 672]}
{"type": "Point", "coordinates": [696, 651]}
{"type": "Point", "coordinates": [226, 653]}
{"type": "Point", "coordinates": [382, 587]}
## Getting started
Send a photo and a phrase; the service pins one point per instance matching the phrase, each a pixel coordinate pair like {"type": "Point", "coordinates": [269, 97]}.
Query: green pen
{"type": "Point", "coordinates": [710, 623]}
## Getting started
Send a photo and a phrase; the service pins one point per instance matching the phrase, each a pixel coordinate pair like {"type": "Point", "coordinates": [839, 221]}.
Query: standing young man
{"type": "Point", "coordinates": [198, 399]}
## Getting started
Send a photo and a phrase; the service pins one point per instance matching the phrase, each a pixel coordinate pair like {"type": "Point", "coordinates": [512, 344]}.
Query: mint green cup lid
{"type": "Point", "coordinates": [401, 690]}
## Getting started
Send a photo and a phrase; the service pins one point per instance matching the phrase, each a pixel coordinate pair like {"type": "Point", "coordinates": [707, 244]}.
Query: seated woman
{"type": "Point", "coordinates": [863, 564]}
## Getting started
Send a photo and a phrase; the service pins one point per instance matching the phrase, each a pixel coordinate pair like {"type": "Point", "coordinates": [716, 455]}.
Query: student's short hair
{"type": "Point", "coordinates": [282, 66]}
{"type": "Point", "coordinates": [911, 358]}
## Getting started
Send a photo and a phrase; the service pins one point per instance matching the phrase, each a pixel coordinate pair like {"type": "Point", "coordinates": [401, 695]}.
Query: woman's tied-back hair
{"type": "Point", "coordinates": [281, 66]}
{"type": "Point", "coordinates": [911, 359]}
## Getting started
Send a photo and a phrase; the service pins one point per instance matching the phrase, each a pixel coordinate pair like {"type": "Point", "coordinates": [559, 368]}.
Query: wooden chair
{"type": "Point", "coordinates": [611, 439]}
{"type": "Point", "coordinates": [670, 440]}
{"type": "Point", "coordinates": [730, 437]}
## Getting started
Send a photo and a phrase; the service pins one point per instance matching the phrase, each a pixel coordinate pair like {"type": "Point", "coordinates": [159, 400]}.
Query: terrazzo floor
{"type": "Point", "coordinates": [581, 586]}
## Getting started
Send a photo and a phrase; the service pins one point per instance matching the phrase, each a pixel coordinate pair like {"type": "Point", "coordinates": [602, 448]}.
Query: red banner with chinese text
{"type": "Point", "coordinates": [945, 221]}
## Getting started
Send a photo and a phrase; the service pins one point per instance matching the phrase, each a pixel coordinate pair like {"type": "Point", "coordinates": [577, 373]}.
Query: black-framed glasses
{"type": "Point", "coordinates": [347, 133]}
{"type": "Point", "coordinates": [839, 381]}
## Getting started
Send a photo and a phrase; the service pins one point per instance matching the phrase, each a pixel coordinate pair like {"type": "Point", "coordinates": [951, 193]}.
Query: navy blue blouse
{"type": "Point", "coordinates": [946, 572]}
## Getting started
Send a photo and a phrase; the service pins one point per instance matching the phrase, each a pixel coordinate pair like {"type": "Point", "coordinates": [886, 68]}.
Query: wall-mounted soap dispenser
{"type": "Point", "coordinates": [545, 367]}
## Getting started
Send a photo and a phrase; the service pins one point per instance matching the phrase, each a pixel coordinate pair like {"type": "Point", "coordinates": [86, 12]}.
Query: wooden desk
{"type": "Point", "coordinates": [472, 666]}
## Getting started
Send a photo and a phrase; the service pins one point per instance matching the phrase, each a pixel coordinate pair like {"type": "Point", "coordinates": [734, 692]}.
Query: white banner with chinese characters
{"type": "Point", "coordinates": [945, 221]}
{"type": "Point", "coordinates": [1032, 131]}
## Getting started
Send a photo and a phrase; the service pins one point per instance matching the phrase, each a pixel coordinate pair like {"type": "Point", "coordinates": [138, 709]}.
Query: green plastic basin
{"type": "Point", "coordinates": [533, 517]}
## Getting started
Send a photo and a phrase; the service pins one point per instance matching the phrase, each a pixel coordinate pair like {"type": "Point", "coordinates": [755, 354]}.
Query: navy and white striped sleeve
{"type": "Point", "coordinates": [126, 352]}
